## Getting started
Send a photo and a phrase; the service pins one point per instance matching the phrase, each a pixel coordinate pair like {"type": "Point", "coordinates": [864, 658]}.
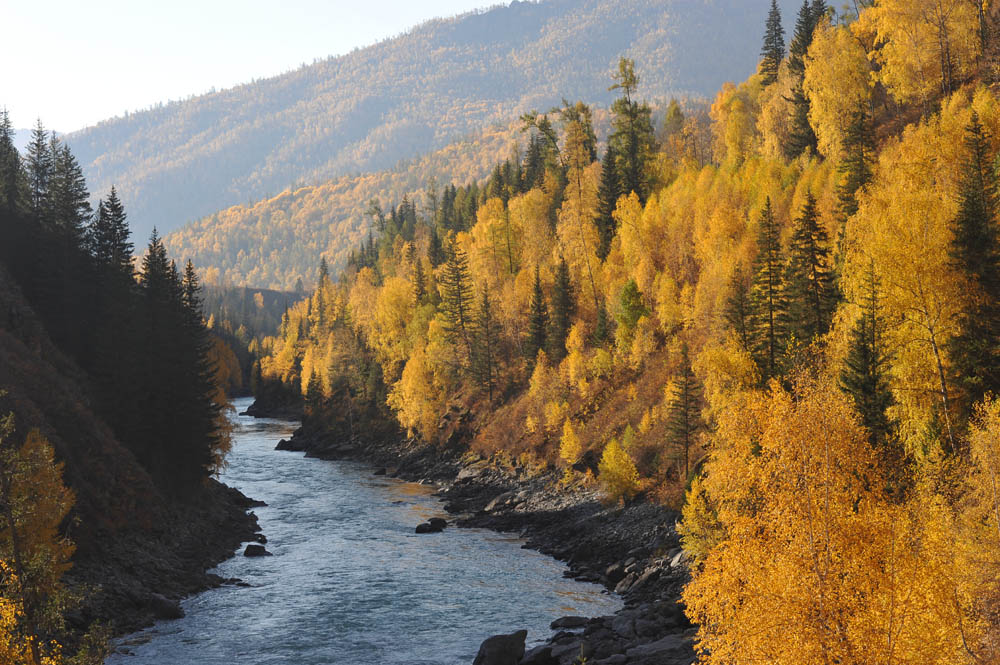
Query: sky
{"type": "Point", "coordinates": [73, 63]}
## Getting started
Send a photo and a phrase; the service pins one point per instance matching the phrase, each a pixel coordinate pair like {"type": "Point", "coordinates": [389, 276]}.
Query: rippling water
{"type": "Point", "coordinates": [350, 582]}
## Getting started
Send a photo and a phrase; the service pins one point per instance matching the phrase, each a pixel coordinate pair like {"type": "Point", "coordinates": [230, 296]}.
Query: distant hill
{"type": "Point", "coordinates": [407, 96]}
{"type": "Point", "coordinates": [21, 139]}
{"type": "Point", "coordinates": [277, 241]}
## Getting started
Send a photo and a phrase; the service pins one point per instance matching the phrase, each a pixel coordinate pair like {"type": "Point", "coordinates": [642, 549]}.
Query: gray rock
{"type": "Point", "coordinates": [438, 522]}
{"type": "Point", "coordinates": [680, 559]}
{"type": "Point", "coordinates": [255, 550]}
{"type": "Point", "coordinates": [648, 575]}
{"type": "Point", "coordinates": [428, 527]}
{"type": "Point", "coordinates": [615, 573]}
{"type": "Point", "coordinates": [540, 655]}
{"type": "Point", "coordinates": [164, 608]}
{"type": "Point", "coordinates": [502, 649]}
{"type": "Point", "coordinates": [617, 659]}
{"type": "Point", "coordinates": [569, 622]}
{"type": "Point", "coordinates": [624, 626]}
{"type": "Point", "coordinates": [670, 650]}
{"type": "Point", "coordinates": [501, 501]}
{"type": "Point", "coordinates": [626, 583]}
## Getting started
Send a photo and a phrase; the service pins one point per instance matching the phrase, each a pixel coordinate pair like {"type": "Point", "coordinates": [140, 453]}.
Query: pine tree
{"type": "Point", "coordinates": [809, 283]}
{"type": "Point", "coordinates": [684, 418]}
{"type": "Point", "coordinates": [975, 252]}
{"type": "Point", "coordinates": [773, 51]}
{"type": "Point", "coordinates": [456, 299]}
{"type": "Point", "coordinates": [538, 319]}
{"type": "Point", "coordinates": [607, 201]}
{"type": "Point", "coordinates": [12, 177]}
{"type": "Point", "coordinates": [865, 373]}
{"type": "Point", "coordinates": [435, 252]}
{"type": "Point", "coordinates": [632, 138]}
{"type": "Point", "coordinates": [767, 297]}
{"type": "Point", "coordinates": [69, 196]}
{"type": "Point", "coordinates": [563, 309]}
{"type": "Point", "coordinates": [855, 169]}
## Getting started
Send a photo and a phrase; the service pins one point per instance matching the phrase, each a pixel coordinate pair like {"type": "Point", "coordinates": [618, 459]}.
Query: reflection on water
{"type": "Point", "coordinates": [350, 582]}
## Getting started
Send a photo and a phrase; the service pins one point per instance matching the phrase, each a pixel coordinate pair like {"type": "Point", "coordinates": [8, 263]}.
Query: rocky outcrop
{"type": "Point", "coordinates": [502, 649]}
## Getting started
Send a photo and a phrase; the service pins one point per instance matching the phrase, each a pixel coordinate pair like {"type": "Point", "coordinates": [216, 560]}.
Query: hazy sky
{"type": "Point", "coordinates": [75, 62]}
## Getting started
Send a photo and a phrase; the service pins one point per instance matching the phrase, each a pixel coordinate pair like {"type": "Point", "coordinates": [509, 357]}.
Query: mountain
{"type": "Point", "coordinates": [407, 96]}
{"type": "Point", "coordinates": [21, 139]}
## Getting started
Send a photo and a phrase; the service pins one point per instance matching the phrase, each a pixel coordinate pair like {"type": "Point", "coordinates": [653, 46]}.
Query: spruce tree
{"type": "Point", "coordinates": [801, 136]}
{"type": "Point", "coordinates": [419, 282]}
{"type": "Point", "coordinates": [738, 311]}
{"type": "Point", "coordinates": [809, 283]}
{"type": "Point", "coordinates": [632, 137]}
{"type": "Point", "coordinates": [563, 309]}
{"type": "Point", "coordinates": [456, 300]}
{"type": "Point", "coordinates": [607, 201]}
{"type": "Point", "coordinates": [773, 51]}
{"type": "Point", "coordinates": [855, 168]}
{"type": "Point", "coordinates": [865, 373]}
{"type": "Point", "coordinates": [538, 319]}
{"type": "Point", "coordinates": [13, 183]}
{"type": "Point", "coordinates": [684, 417]}
{"type": "Point", "coordinates": [975, 252]}
{"type": "Point", "coordinates": [486, 341]}
{"type": "Point", "coordinates": [767, 298]}
{"type": "Point", "coordinates": [39, 170]}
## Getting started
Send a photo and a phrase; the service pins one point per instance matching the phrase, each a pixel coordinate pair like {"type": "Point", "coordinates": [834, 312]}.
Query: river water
{"type": "Point", "coordinates": [350, 582]}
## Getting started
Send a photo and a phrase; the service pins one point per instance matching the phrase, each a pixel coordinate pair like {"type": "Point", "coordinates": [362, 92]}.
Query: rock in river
{"type": "Point", "coordinates": [433, 525]}
{"type": "Point", "coordinates": [255, 550]}
{"type": "Point", "coordinates": [502, 649]}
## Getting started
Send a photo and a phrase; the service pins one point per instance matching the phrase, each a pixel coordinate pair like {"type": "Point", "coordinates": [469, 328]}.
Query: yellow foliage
{"type": "Point", "coordinates": [570, 447]}
{"type": "Point", "coordinates": [617, 472]}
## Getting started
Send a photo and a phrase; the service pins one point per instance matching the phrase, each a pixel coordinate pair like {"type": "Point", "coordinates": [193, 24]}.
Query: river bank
{"type": "Point", "coordinates": [633, 550]}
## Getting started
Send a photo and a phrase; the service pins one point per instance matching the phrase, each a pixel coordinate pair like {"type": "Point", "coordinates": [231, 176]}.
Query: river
{"type": "Point", "coordinates": [350, 582]}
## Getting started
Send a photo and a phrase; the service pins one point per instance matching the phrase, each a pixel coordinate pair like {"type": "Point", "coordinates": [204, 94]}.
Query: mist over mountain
{"type": "Point", "coordinates": [407, 96]}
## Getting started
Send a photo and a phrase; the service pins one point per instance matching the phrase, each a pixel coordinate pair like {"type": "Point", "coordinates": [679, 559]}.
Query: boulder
{"type": "Point", "coordinates": [379, 471]}
{"type": "Point", "coordinates": [569, 622]}
{"type": "Point", "coordinates": [615, 573]}
{"type": "Point", "coordinates": [428, 527]}
{"type": "Point", "coordinates": [438, 522]}
{"type": "Point", "coordinates": [165, 608]}
{"type": "Point", "coordinates": [260, 538]}
{"type": "Point", "coordinates": [670, 650]}
{"type": "Point", "coordinates": [540, 655]}
{"type": "Point", "coordinates": [502, 501]}
{"type": "Point", "coordinates": [255, 550]}
{"type": "Point", "coordinates": [502, 649]}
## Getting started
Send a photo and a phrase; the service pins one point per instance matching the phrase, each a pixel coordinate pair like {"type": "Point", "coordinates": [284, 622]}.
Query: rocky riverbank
{"type": "Point", "coordinates": [632, 550]}
{"type": "Point", "coordinates": [139, 575]}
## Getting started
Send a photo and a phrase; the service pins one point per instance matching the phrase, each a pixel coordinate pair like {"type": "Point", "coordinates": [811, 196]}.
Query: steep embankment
{"type": "Point", "coordinates": [406, 96]}
{"type": "Point", "coordinates": [138, 551]}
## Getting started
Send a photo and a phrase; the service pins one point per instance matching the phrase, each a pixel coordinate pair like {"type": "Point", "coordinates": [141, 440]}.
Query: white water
{"type": "Point", "coordinates": [350, 582]}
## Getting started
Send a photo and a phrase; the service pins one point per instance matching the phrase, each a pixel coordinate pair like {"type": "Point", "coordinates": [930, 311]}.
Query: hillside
{"type": "Point", "coordinates": [277, 241]}
{"type": "Point", "coordinates": [407, 96]}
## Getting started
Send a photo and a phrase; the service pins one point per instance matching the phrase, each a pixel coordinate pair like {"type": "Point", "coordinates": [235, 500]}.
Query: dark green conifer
{"type": "Point", "coordinates": [809, 282]}
{"type": "Point", "coordinates": [855, 168]}
{"type": "Point", "coordinates": [538, 319]}
{"type": "Point", "coordinates": [607, 201]}
{"type": "Point", "coordinates": [632, 137]}
{"type": "Point", "coordinates": [419, 282]}
{"type": "Point", "coordinates": [684, 417]}
{"type": "Point", "coordinates": [738, 311]}
{"type": "Point", "coordinates": [485, 350]}
{"type": "Point", "coordinates": [563, 309]}
{"type": "Point", "coordinates": [773, 51]}
{"type": "Point", "coordinates": [456, 300]}
{"type": "Point", "coordinates": [39, 170]}
{"type": "Point", "coordinates": [975, 251]}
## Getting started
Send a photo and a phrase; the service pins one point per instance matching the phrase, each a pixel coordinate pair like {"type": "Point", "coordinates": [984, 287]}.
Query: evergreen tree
{"type": "Point", "coordinates": [607, 201]}
{"type": "Point", "coordinates": [801, 136]}
{"type": "Point", "coordinates": [809, 283]}
{"type": "Point", "coordinates": [538, 319]}
{"type": "Point", "coordinates": [39, 171]}
{"type": "Point", "coordinates": [975, 251]}
{"type": "Point", "coordinates": [419, 282]}
{"type": "Point", "coordinates": [563, 309]}
{"type": "Point", "coordinates": [684, 418]}
{"type": "Point", "coordinates": [632, 137]}
{"type": "Point", "coordinates": [12, 178]}
{"type": "Point", "coordinates": [865, 373]}
{"type": "Point", "coordinates": [485, 352]}
{"type": "Point", "coordinates": [738, 311]}
{"type": "Point", "coordinates": [456, 301]}
{"type": "Point", "coordinates": [69, 196]}
{"type": "Point", "coordinates": [773, 51]}
{"type": "Point", "coordinates": [435, 252]}
{"type": "Point", "coordinates": [767, 298]}
{"type": "Point", "coordinates": [855, 169]}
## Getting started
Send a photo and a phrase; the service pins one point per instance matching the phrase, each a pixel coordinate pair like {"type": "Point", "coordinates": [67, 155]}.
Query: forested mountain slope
{"type": "Point", "coordinates": [407, 96]}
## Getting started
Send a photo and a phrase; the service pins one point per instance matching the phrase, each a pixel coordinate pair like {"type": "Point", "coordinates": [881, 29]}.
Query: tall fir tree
{"type": "Point", "coordinates": [684, 417]}
{"type": "Point", "coordinates": [738, 309]}
{"type": "Point", "coordinates": [975, 252]}
{"type": "Point", "coordinates": [38, 163]}
{"type": "Point", "coordinates": [865, 374]}
{"type": "Point", "coordinates": [767, 297]}
{"type": "Point", "coordinates": [632, 137]}
{"type": "Point", "coordinates": [419, 281]}
{"type": "Point", "coordinates": [607, 201]}
{"type": "Point", "coordinates": [855, 168]}
{"type": "Point", "coordinates": [809, 281]}
{"type": "Point", "coordinates": [485, 352]}
{"type": "Point", "coordinates": [772, 53]}
{"type": "Point", "coordinates": [801, 134]}
{"type": "Point", "coordinates": [563, 309]}
{"type": "Point", "coordinates": [538, 319]}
